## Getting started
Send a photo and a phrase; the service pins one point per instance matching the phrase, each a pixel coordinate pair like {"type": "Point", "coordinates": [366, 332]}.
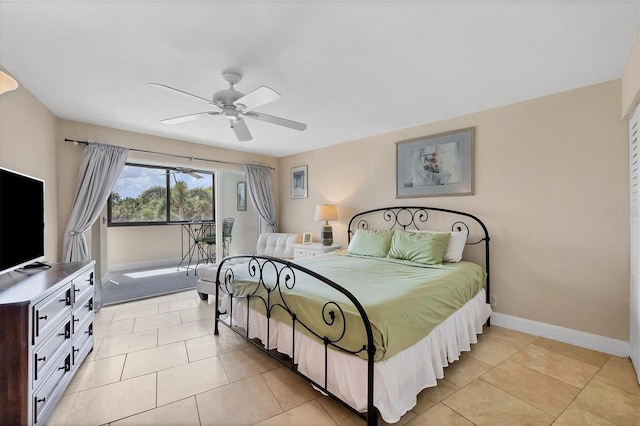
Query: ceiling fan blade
{"type": "Point", "coordinates": [241, 130]}
{"type": "Point", "coordinates": [165, 87]}
{"type": "Point", "coordinates": [184, 171]}
{"type": "Point", "coordinates": [189, 172]}
{"type": "Point", "coordinates": [277, 120]}
{"type": "Point", "coordinates": [188, 117]}
{"type": "Point", "coordinates": [262, 95]}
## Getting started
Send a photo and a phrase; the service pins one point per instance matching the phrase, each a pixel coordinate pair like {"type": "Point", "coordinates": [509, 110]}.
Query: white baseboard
{"type": "Point", "coordinates": [566, 335]}
{"type": "Point", "coordinates": [145, 264]}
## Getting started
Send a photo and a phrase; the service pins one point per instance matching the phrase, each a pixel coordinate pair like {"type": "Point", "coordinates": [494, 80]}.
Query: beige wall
{"type": "Point", "coordinates": [136, 245]}
{"type": "Point", "coordinates": [551, 184]}
{"type": "Point", "coordinates": [27, 145]}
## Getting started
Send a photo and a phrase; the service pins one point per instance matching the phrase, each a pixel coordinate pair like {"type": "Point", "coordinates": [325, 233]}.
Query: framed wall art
{"type": "Point", "coordinates": [307, 238]}
{"type": "Point", "coordinates": [435, 165]}
{"type": "Point", "coordinates": [242, 196]}
{"type": "Point", "coordinates": [299, 182]}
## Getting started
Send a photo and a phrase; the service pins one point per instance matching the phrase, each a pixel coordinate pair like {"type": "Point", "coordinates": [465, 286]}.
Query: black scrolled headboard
{"type": "Point", "coordinates": [425, 218]}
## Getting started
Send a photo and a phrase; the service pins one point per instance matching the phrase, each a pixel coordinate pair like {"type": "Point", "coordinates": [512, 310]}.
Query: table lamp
{"type": "Point", "coordinates": [326, 212]}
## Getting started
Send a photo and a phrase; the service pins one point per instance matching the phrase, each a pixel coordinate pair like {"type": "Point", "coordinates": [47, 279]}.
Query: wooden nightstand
{"type": "Point", "coordinates": [307, 250]}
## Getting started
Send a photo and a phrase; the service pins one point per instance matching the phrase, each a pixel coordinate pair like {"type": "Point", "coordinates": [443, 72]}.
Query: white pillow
{"type": "Point", "coordinates": [455, 247]}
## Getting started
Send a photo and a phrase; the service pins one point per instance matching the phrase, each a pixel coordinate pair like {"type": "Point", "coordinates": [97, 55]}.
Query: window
{"type": "Point", "coordinates": [153, 195]}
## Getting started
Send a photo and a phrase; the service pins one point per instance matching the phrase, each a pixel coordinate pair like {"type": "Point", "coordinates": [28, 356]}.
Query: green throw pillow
{"type": "Point", "coordinates": [372, 242]}
{"type": "Point", "coordinates": [418, 247]}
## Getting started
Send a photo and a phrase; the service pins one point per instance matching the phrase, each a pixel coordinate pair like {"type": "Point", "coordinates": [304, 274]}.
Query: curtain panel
{"type": "Point", "coordinates": [261, 194]}
{"type": "Point", "coordinates": [101, 167]}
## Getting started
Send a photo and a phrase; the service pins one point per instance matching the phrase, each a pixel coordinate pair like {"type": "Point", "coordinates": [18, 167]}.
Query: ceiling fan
{"type": "Point", "coordinates": [189, 172]}
{"type": "Point", "coordinates": [235, 105]}
{"type": "Point", "coordinates": [177, 170]}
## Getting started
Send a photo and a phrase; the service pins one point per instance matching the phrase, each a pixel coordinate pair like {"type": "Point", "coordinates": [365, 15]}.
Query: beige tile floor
{"type": "Point", "coordinates": [157, 362]}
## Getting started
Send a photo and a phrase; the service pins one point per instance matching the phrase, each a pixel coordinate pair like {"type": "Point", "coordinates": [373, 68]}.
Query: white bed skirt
{"type": "Point", "coordinates": [397, 380]}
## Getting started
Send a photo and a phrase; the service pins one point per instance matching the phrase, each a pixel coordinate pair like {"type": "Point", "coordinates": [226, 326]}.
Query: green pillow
{"type": "Point", "coordinates": [372, 242]}
{"type": "Point", "coordinates": [417, 247]}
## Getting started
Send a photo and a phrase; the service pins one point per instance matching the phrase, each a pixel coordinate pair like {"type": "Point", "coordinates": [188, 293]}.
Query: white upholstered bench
{"type": "Point", "coordinates": [276, 244]}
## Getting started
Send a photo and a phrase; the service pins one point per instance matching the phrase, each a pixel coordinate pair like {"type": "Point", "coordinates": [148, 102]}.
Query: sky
{"type": "Point", "coordinates": [134, 180]}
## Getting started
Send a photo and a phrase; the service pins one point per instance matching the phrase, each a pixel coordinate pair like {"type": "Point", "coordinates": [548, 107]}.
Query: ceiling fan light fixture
{"type": "Point", "coordinates": [231, 114]}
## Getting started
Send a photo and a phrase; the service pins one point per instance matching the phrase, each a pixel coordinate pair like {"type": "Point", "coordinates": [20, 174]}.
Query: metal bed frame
{"type": "Point", "coordinates": [282, 274]}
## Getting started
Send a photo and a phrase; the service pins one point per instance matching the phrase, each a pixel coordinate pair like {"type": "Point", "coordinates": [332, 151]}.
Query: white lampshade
{"type": "Point", "coordinates": [7, 83]}
{"type": "Point", "coordinates": [326, 212]}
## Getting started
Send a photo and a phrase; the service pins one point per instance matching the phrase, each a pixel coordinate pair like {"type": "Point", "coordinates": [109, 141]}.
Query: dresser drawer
{"type": "Point", "coordinates": [82, 286]}
{"type": "Point", "coordinates": [82, 314]}
{"type": "Point", "coordinates": [47, 312]}
{"type": "Point", "coordinates": [82, 344]}
{"type": "Point", "coordinates": [45, 354]}
{"type": "Point", "coordinates": [300, 253]}
{"type": "Point", "coordinates": [45, 398]}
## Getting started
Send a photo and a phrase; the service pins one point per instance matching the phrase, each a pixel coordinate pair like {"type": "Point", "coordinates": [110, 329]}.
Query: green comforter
{"type": "Point", "coordinates": [404, 301]}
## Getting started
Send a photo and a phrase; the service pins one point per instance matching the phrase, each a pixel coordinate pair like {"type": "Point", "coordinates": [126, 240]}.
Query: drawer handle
{"type": "Point", "coordinates": [44, 358]}
{"type": "Point", "coordinates": [77, 290]}
{"type": "Point", "coordinates": [41, 399]}
{"type": "Point", "coordinates": [76, 319]}
{"type": "Point", "coordinates": [64, 367]}
{"type": "Point", "coordinates": [44, 317]}
{"type": "Point", "coordinates": [76, 349]}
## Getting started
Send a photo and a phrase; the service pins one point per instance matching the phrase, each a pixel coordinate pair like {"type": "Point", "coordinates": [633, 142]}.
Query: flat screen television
{"type": "Point", "coordinates": [21, 220]}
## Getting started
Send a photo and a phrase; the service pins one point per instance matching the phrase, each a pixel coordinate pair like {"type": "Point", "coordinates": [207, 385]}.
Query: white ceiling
{"type": "Point", "coordinates": [348, 69]}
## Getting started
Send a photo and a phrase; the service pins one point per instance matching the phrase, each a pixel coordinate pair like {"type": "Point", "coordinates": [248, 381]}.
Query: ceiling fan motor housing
{"type": "Point", "coordinates": [226, 97]}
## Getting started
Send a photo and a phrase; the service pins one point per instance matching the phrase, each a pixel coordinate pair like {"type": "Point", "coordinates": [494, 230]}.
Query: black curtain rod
{"type": "Point", "coordinates": [75, 142]}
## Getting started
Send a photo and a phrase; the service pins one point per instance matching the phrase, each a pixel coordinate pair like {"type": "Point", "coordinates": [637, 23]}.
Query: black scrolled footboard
{"type": "Point", "coordinates": [271, 276]}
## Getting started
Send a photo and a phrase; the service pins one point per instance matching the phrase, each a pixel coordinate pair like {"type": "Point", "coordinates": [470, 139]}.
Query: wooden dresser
{"type": "Point", "coordinates": [46, 331]}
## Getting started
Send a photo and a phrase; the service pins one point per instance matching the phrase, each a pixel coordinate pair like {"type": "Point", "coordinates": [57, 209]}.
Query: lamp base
{"type": "Point", "coordinates": [327, 235]}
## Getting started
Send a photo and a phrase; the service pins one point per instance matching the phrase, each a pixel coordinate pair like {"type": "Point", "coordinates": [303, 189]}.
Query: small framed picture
{"type": "Point", "coordinates": [299, 182]}
{"type": "Point", "coordinates": [242, 196]}
{"type": "Point", "coordinates": [307, 238]}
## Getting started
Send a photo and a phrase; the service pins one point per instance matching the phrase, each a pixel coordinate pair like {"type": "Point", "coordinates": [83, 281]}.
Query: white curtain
{"type": "Point", "coordinates": [101, 167]}
{"type": "Point", "coordinates": [259, 190]}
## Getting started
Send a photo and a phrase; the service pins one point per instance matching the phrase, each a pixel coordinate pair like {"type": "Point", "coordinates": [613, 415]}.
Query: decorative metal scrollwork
{"type": "Point", "coordinates": [362, 224]}
{"type": "Point", "coordinates": [327, 310]}
{"type": "Point", "coordinates": [289, 277]}
{"type": "Point", "coordinates": [229, 278]}
{"type": "Point", "coordinates": [459, 226]}
{"type": "Point", "coordinates": [405, 217]}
